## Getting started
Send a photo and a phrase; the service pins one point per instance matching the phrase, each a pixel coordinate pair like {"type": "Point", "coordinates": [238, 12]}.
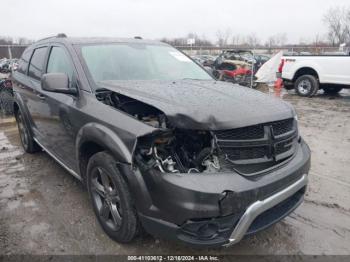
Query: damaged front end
{"type": "Point", "coordinates": [201, 182]}
{"type": "Point", "coordinates": [179, 151]}
{"type": "Point", "coordinates": [168, 149]}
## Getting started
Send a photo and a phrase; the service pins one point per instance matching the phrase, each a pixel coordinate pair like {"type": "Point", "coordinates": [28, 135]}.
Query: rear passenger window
{"type": "Point", "coordinates": [23, 62]}
{"type": "Point", "coordinates": [59, 62]}
{"type": "Point", "coordinates": [37, 63]}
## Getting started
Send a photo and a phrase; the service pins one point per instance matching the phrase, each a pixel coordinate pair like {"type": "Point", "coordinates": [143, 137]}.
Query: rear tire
{"type": "Point", "coordinates": [111, 199]}
{"type": "Point", "coordinates": [332, 90]}
{"type": "Point", "coordinates": [306, 85]}
{"type": "Point", "coordinates": [27, 140]}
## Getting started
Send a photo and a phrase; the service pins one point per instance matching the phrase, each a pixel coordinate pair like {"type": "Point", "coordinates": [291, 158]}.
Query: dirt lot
{"type": "Point", "coordinates": [44, 210]}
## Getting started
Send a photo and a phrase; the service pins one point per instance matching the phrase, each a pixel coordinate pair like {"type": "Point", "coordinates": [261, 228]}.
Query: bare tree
{"type": "Point", "coordinates": [337, 20]}
{"type": "Point", "coordinates": [252, 40]}
{"type": "Point", "coordinates": [277, 40]}
{"type": "Point", "coordinates": [237, 40]}
{"type": "Point", "coordinates": [24, 41]}
{"type": "Point", "coordinates": [282, 39]}
{"type": "Point", "coordinates": [223, 37]}
{"type": "Point", "coordinates": [4, 40]}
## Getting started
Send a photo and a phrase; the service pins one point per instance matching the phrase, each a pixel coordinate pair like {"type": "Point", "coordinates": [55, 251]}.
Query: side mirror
{"type": "Point", "coordinates": [57, 83]}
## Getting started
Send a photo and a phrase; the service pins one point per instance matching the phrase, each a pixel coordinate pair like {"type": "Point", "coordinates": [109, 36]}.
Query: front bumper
{"type": "Point", "coordinates": [193, 209]}
{"type": "Point", "coordinates": [259, 207]}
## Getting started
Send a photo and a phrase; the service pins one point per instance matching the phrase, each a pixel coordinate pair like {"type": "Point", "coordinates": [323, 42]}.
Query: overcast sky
{"type": "Point", "coordinates": [299, 19]}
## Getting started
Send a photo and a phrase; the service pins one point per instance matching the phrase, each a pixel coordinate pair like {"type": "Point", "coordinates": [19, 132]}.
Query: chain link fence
{"type": "Point", "coordinates": [301, 50]}
{"type": "Point", "coordinates": [11, 51]}
{"type": "Point", "coordinates": [15, 51]}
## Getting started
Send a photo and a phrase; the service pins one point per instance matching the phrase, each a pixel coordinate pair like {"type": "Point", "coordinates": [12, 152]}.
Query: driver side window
{"type": "Point", "coordinates": [59, 62]}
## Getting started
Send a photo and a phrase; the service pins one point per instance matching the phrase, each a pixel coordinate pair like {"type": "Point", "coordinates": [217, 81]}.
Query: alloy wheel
{"type": "Point", "coordinates": [106, 198]}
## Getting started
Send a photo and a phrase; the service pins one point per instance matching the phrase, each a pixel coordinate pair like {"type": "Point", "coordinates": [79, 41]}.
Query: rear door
{"type": "Point", "coordinates": [28, 84]}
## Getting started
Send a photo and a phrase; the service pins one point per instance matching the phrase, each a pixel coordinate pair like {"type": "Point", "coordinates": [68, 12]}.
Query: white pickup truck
{"type": "Point", "coordinates": [308, 74]}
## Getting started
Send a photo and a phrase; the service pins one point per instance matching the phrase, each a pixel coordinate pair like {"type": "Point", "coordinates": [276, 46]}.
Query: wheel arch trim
{"type": "Point", "coordinates": [18, 101]}
{"type": "Point", "coordinates": [104, 137]}
{"type": "Point", "coordinates": [306, 67]}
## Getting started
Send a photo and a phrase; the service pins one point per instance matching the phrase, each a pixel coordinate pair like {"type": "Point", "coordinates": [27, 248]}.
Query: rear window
{"type": "Point", "coordinates": [37, 62]}
{"type": "Point", "coordinates": [23, 62]}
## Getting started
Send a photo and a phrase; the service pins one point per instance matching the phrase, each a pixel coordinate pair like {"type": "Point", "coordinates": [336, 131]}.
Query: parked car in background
{"type": "Point", "coordinates": [5, 66]}
{"type": "Point", "coordinates": [13, 64]}
{"type": "Point", "coordinates": [159, 143]}
{"type": "Point", "coordinates": [204, 60]}
{"type": "Point", "coordinates": [235, 66]}
{"type": "Point", "coordinates": [6, 97]}
{"type": "Point", "coordinates": [309, 73]}
{"type": "Point", "coordinates": [260, 60]}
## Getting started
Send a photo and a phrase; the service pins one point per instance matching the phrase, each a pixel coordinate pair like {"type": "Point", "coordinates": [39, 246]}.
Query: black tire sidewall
{"type": "Point", "coordinates": [31, 146]}
{"type": "Point", "coordinates": [314, 85]}
{"type": "Point", "coordinates": [130, 225]}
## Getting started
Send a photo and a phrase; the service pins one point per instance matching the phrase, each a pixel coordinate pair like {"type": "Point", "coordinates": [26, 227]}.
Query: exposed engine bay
{"type": "Point", "coordinates": [180, 151]}
{"type": "Point", "coordinates": [248, 150]}
{"type": "Point", "coordinates": [172, 150]}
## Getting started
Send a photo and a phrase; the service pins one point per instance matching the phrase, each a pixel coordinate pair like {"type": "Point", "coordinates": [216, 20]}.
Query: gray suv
{"type": "Point", "coordinates": [159, 144]}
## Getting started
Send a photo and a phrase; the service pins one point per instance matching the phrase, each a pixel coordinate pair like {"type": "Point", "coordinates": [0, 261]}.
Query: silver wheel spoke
{"type": "Point", "coordinates": [104, 211]}
{"type": "Point", "coordinates": [116, 215]}
{"type": "Point", "coordinates": [115, 199]}
{"type": "Point", "coordinates": [104, 179]}
{"type": "Point", "coordinates": [98, 188]}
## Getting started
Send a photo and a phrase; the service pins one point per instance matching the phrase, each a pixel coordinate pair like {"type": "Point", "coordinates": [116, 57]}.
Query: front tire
{"type": "Point", "coordinates": [111, 199]}
{"type": "Point", "coordinates": [306, 85]}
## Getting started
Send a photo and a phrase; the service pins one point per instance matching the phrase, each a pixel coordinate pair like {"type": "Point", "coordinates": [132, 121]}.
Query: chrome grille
{"type": "Point", "coordinates": [251, 132]}
{"type": "Point", "coordinates": [261, 146]}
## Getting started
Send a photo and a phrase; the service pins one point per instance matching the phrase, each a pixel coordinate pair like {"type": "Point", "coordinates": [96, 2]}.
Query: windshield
{"type": "Point", "coordinates": [139, 62]}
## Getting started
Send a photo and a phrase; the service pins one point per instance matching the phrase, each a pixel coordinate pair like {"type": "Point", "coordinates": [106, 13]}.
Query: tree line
{"type": "Point", "coordinates": [336, 20]}
{"type": "Point", "coordinates": [4, 40]}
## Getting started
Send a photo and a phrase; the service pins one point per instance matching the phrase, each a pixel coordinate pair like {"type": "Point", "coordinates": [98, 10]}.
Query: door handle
{"type": "Point", "coordinates": [41, 96]}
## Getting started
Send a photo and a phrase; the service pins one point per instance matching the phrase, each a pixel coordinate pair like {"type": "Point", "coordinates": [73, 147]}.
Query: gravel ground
{"type": "Point", "coordinates": [44, 210]}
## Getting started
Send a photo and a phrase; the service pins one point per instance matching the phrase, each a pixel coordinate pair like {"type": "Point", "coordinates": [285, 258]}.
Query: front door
{"type": "Point", "coordinates": [60, 128]}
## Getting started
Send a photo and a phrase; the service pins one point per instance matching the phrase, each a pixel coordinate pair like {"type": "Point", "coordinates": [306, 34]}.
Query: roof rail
{"type": "Point", "coordinates": [60, 35]}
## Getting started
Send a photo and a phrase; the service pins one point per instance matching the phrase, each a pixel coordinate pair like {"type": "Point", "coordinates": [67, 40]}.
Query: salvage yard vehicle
{"type": "Point", "coordinates": [309, 73]}
{"type": "Point", "coordinates": [6, 97]}
{"type": "Point", "coordinates": [5, 66]}
{"type": "Point", "coordinates": [235, 66]}
{"type": "Point", "coordinates": [160, 145]}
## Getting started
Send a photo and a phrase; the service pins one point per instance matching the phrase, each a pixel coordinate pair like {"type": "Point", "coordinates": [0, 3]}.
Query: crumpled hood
{"type": "Point", "coordinates": [205, 105]}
